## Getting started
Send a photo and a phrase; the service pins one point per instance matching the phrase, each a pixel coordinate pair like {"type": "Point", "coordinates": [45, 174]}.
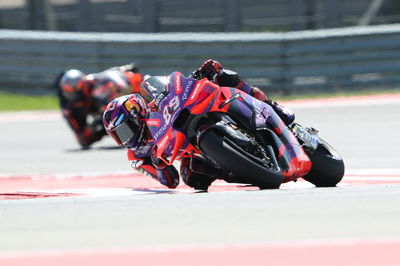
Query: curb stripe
{"type": "Point", "coordinates": [43, 186]}
{"type": "Point", "coordinates": [327, 253]}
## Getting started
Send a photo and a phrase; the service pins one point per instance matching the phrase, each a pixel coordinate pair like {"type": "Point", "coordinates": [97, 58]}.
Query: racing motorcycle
{"type": "Point", "coordinates": [238, 134]}
{"type": "Point", "coordinates": [83, 108]}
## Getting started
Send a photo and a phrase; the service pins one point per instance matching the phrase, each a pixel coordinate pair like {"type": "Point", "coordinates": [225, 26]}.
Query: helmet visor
{"type": "Point", "coordinates": [126, 132]}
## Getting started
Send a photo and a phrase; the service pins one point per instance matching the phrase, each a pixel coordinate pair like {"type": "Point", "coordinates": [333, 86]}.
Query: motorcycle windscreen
{"type": "Point", "coordinates": [153, 86]}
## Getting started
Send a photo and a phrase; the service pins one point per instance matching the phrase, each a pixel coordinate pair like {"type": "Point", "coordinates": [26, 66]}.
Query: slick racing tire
{"type": "Point", "coordinates": [327, 166]}
{"type": "Point", "coordinates": [230, 157]}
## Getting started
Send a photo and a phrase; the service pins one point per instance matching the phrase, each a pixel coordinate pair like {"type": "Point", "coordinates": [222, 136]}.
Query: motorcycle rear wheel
{"type": "Point", "coordinates": [238, 161]}
{"type": "Point", "coordinates": [327, 168]}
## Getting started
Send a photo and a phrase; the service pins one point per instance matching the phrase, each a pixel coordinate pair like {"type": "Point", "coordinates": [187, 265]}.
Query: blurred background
{"type": "Point", "coordinates": [194, 15]}
{"type": "Point", "coordinates": [286, 46]}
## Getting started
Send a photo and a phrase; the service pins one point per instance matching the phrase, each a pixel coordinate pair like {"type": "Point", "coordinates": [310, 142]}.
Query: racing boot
{"type": "Point", "coordinates": [284, 113]}
{"type": "Point", "coordinates": [198, 174]}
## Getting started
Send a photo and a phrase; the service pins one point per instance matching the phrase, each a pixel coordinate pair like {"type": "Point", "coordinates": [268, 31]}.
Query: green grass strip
{"type": "Point", "coordinates": [22, 102]}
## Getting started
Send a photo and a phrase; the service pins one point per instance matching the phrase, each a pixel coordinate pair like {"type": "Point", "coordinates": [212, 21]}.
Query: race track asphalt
{"type": "Point", "coordinates": [365, 133]}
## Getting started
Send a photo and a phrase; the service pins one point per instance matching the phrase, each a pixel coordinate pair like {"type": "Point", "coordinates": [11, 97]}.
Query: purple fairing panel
{"type": "Point", "coordinates": [261, 116]}
{"type": "Point", "coordinates": [179, 90]}
{"type": "Point", "coordinates": [290, 150]}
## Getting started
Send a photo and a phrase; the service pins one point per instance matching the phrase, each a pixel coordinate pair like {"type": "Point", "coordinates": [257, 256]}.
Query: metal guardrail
{"type": "Point", "coordinates": [293, 62]}
{"type": "Point", "coordinates": [194, 15]}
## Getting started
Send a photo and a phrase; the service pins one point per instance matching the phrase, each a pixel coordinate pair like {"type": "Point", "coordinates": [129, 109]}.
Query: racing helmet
{"type": "Point", "coordinates": [123, 120]}
{"type": "Point", "coordinates": [72, 83]}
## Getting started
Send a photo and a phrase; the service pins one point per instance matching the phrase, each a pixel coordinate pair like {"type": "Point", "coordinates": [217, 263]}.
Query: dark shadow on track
{"type": "Point", "coordinates": [154, 191]}
{"type": "Point", "coordinates": [87, 149]}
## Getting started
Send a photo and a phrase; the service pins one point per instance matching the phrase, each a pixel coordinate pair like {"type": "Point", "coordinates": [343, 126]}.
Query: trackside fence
{"type": "Point", "coordinates": [288, 63]}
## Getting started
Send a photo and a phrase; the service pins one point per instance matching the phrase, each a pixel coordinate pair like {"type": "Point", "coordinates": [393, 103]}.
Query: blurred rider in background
{"type": "Point", "coordinates": [84, 97]}
{"type": "Point", "coordinates": [124, 120]}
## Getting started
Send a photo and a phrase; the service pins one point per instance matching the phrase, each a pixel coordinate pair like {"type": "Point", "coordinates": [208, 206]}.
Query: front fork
{"type": "Point", "coordinates": [308, 137]}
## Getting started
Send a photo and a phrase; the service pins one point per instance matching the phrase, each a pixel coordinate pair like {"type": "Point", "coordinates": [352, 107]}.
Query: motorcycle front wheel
{"type": "Point", "coordinates": [327, 168]}
{"type": "Point", "coordinates": [240, 163]}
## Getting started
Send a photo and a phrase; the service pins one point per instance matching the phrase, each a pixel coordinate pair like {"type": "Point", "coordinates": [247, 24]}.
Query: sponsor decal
{"type": "Point", "coordinates": [132, 104]}
{"type": "Point", "coordinates": [153, 122]}
{"type": "Point", "coordinates": [187, 88]}
{"type": "Point", "coordinates": [159, 99]}
{"type": "Point", "coordinates": [194, 93]}
{"type": "Point", "coordinates": [178, 83]}
{"type": "Point", "coordinates": [257, 104]}
{"type": "Point", "coordinates": [160, 132]}
{"type": "Point", "coordinates": [143, 150]}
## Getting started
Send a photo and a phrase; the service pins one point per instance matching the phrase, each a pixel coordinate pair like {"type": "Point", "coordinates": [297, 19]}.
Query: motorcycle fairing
{"type": "Point", "coordinates": [201, 97]}
{"type": "Point", "coordinates": [299, 163]}
{"type": "Point", "coordinates": [260, 113]}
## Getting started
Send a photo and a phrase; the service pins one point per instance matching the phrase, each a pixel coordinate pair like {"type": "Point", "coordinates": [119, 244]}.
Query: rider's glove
{"type": "Point", "coordinates": [259, 94]}
{"type": "Point", "coordinates": [209, 69]}
{"type": "Point", "coordinates": [142, 164]}
{"type": "Point", "coordinates": [166, 174]}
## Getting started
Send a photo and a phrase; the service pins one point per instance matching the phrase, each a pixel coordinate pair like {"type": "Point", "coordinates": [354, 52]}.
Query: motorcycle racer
{"type": "Point", "coordinates": [84, 97]}
{"type": "Point", "coordinates": [125, 121]}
